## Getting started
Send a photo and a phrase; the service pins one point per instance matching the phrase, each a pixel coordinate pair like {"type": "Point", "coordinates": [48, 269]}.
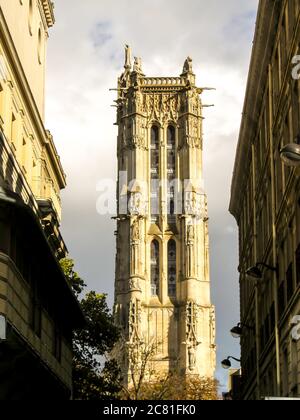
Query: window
{"type": "Point", "coordinates": [171, 171]}
{"type": "Point", "coordinates": [171, 163]}
{"type": "Point", "coordinates": [172, 204]}
{"type": "Point", "coordinates": [281, 299]}
{"type": "Point", "coordinates": [40, 46]}
{"type": "Point", "coordinates": [155, 270]}
{"type": "Point", "coordinates": [56, 350]}
{"type": "Point", "coordinates": [291, 16]}
{"type": "Point", "coordinates": [154, 162]}
{"type": "Point", "coordinates": [272, 318]}
{"type": "Point", "coordinates": [172, 268]}
{"type": "Point", "coordinates": [267, 328]}
{"type": "Point", "coordinates": [258, 148]}
{"type": "Point", "coordinates": [276, 79]}
{"type": "Point", "coordinates": [287, 138]}
{"type": "Point", "coordinates": [24, 154]}
{"type": "Point", "coordinates": [1, 100]}
{"type": "Point", "coordinates": [285, 374]}
{"type": "Point", "coordinates": [155, 136]}
{"type": "Point", "coordinates": [283, 41]}
{"type": "Point", "coordinates": [171, 136]}
{"type": "Point", "coordinates": [294, 365]}
{"type": "Point", "coordinates": [171, 159]}
{"type": "Point", "coordinates": [298, 264]}
{"type": "Point", "coordinates": [296, 110]}
{"type": "Point", "coordinates": [35, 317]}
{"type": "Point", "coordinates": [279, 177]}
{"type": "Point", "coordinates": [262, 338]}
{"type": "Point", "coordinates": [5, 233]}
{"type": "Point", "coordinates": [30, 16]}
{"type": "Point", "coordinates": [289, 283]}
{"type": "Point", "coordinates": [14, 132]}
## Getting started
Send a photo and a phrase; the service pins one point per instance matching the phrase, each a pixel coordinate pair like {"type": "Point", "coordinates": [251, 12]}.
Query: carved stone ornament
{"type": "Point", "coordinates": [191, 333]}
{"type": "Point", "coordinates": [192, 357]}
{"type": "Point", "coordinates": [134, 285]}
{"type": "Point", "coordinates": [127, 57]}
{"type": "Point", "coordinates": [161, 107]}
{"type": "Point", "coordinates": [190, 234]}
{"type": "Point", "coordinates": [195, 204]}
{"type": "Point", "coordinates": [137, 66]}
{"type": "Point", "coordinates": [135, 231]}
{"type": "Point", "coordinates": [188, 65]}
{"type": "Point", "coordinates": [135, 337]}
{"type": "Point", "coordinates": [137, 204]}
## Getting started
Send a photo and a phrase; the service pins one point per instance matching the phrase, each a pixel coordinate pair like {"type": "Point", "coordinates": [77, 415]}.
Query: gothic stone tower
{"type": "Point", "coordinates": [162, 288]}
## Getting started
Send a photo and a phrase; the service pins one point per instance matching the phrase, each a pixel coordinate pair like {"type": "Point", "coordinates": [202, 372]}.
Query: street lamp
{"type": "Point", "coordinates": [226, 364]}
{"type": "Point", "coordinates": [237, 331]}
{"type": "Point", "coordinates": [290, 155]}
{"type": "Point", "coordinates": [256, 272]}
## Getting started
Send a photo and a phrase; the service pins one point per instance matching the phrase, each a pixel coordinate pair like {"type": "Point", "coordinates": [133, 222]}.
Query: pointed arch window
{"type": "Point", "coordinates": [171, 157]}
{"type": "Point", "coordinates": [172, 269]}
{"type": "Point", "coordinates": [171, 136]}
{"type": "Point", "coordinates": [171, 170]}
{"type": "Point", "coordinates": [154, 162]}
{"type": "Point", "coordinates": [154, 152]}
{"type": "Point", "coordinates": [155, 268]}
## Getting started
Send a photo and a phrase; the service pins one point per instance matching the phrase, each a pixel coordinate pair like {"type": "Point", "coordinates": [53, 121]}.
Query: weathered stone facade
{"type": "Point", "coordinates": [162, 288]}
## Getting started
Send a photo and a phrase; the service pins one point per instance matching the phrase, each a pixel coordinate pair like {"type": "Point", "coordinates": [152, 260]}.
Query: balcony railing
{"type": "Point", "coordinates": [12, 174]}
{"type": "Point", "coordinates": [162, 81]}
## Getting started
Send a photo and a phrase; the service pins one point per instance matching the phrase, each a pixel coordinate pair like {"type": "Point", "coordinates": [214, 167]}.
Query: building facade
{"type": "Point", "coordinates": [37, 308]}
{"type": "Point", "coordinates": [265, 200]}
{"type": "Point", "coordinates": [162, 288]}
{"type": "Point", "coordinates": [234, 386]}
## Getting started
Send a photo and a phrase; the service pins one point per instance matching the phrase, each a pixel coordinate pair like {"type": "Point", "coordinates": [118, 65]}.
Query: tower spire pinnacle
{"type": "Point", "coordinates": [128, 62]}
{"type": "Point", "coordinates": [188, 66]}
{"type": "Point", "coordinates": [162, 288]}
{"type": "Point", "coordinates": [187, 71]}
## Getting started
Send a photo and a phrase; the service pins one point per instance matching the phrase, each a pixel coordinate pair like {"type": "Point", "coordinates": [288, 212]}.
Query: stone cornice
{"type": "Point", "coordinates": [263, 44]}
{"type": "Point", "coordinates": [29, 100]}
{"type": "Point", "coordinates": [48, 8]}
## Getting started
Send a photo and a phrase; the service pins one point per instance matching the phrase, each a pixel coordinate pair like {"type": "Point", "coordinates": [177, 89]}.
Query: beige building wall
{"type": "Point", "coordinates": [28, 22]}
{"type": "Point", "coordinates": [22, 74]}
{"type": "Point", "coordinates": [162, 264]}
{"type": "Point", "coordinates": [16, 305]}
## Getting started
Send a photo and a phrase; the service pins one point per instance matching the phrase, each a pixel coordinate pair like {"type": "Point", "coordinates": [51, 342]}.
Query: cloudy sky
{"type": "Point", "coordinates": [85, 57]}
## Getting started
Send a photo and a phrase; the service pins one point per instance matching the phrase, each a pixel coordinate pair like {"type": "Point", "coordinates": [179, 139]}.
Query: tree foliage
{"type": "Point", "coordinates": [174, 387]}
{"type": "Point", "coordinates": [146, 382]}
{"type": "Point", "coordinates": [74, 280]}
{"type": "Point", "coordinates": [95, 376]}
{"type": "Point", "coordinates": [141, 368]}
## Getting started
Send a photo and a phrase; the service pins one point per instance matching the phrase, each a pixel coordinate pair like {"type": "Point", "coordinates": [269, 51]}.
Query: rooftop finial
{"type": "Point", "coordinates": [127, 65]}
{"type": "Point", "coordinates": [188, 66]}
{"type": "Point", "coordinates": [137, 66]}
